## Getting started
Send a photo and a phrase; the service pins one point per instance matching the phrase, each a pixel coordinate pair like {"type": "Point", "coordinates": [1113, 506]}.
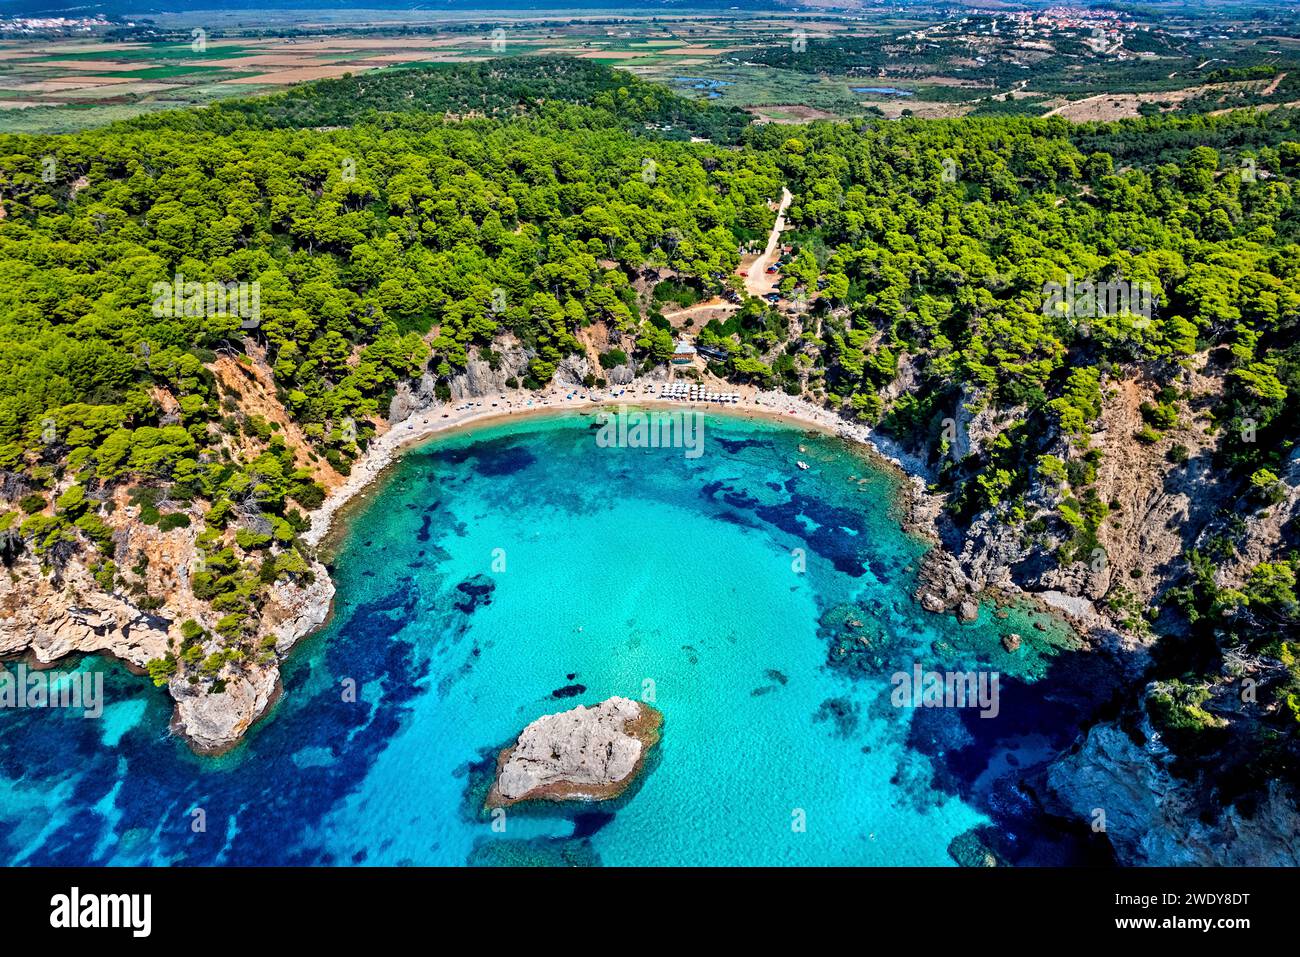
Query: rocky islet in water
{"type": "Point", "coordinates": [586, 754]}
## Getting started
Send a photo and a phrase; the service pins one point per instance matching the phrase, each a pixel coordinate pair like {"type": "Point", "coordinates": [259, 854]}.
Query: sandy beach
{"type": "Point", "coordinates": [479, 412]}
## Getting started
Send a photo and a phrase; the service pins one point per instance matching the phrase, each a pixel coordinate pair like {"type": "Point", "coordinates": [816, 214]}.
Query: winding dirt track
{"type": "Point", "coordinates": [758, 282]}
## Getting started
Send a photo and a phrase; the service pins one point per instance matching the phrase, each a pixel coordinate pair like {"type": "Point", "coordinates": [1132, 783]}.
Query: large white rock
{"type": "Point", "coordinates": [587, 754]}
{"type": "Point", "coordinates": [212, 722]}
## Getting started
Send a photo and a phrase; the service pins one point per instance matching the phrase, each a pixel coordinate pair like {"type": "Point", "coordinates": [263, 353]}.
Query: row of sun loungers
{"type": "Point", "coordinates": [693, 393]}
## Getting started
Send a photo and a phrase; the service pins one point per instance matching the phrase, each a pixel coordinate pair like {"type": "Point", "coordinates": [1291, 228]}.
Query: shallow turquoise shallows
{"type": "Point", "coordinates": [524, 569]}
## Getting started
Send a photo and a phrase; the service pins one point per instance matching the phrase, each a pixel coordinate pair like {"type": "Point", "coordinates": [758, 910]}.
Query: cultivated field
{"type": "Point", "coordinates": [783, 68]}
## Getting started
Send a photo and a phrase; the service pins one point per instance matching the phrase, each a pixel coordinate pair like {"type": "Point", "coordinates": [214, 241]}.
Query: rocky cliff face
{"type": "Point", "coordinates": [480, 379]}
{"type": "Point", "coordinates": [214, 721]}
{"type": "Point", "coordinates": [587, 754]}
{"type": "Point", "coordinates": [1270, 530]}
{"type": "Point", "coordinates": [411, 398]}
{"type": "Point", "coordinates": [214, 713]}
{"type": "Point", "coordinates": [74, 614]}
{"type": "Point", "coordinates": [1157, 507]}
{"type": "Point", "coordinates": [1153, 817]}
{"type": "Point", "coordinates": [977, 423]}
{"type": "Point", "coordinates": [74, 617]}
{"type": "Point", "coordinates": [1164, 497]}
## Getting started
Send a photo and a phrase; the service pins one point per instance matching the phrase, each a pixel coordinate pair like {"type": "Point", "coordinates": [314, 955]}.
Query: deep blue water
{"type": "Point", "coordinates": [522, 569]}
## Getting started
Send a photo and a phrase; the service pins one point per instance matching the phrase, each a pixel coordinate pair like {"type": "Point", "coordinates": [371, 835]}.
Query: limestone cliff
{"type": "Point", "coordinates": [1164, 801]}
{"type": "Point", "coordinates": [1154, 817]}
{"type": "Point", "coordinates": [75, 617]}
{"type": "Point", "coordinates": [50, 617]}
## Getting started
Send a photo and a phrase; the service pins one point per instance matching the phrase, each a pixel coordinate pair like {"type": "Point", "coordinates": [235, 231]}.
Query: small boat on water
{"type": "Point", "coordinates": [802, 465]}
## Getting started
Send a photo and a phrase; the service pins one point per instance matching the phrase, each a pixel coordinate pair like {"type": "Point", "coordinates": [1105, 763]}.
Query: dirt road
{"type": "Point", "coordinates": [758, 281]}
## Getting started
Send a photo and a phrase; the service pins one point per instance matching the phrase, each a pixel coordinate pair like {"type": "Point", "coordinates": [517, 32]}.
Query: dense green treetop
{"type": "Point", "coordinates": [417, 95]}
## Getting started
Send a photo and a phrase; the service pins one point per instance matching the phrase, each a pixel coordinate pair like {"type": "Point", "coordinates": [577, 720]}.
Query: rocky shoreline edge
{"type": "Point", "coordinates": [49, 622]}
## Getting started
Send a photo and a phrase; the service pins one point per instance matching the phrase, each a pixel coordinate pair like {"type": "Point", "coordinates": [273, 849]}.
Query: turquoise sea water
{"type": "Point", "coordinates": [500, 575]}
